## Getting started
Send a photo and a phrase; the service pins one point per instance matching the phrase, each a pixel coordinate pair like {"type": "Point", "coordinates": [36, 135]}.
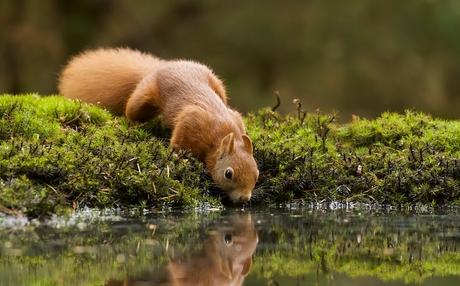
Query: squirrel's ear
{"type": "Point", "coordinates": [247, 143]}
{"type": "Point", "coordinates": [247, 266]}
{"type": "Point", "coordinates": [227, 146]}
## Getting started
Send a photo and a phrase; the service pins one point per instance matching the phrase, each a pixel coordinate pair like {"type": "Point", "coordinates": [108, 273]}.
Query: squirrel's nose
{"type": "Point", "coordinates": [244, 198]}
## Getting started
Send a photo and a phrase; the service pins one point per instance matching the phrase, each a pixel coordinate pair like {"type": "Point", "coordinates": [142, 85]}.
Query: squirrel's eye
{"type": "Point", "coordinates": [229, 173]}
{"type": "Point", "coordinates": [228, 238]}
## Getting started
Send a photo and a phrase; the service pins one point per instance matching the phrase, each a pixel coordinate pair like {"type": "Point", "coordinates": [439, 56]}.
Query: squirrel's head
{"type": "Point", "coordinates": [236, 170]}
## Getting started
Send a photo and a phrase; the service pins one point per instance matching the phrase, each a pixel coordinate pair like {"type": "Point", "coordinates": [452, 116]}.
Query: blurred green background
{"type": "Point", "coordinates": [359, 57]}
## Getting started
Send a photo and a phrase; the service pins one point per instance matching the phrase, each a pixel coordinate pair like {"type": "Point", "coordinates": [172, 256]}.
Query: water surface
{"type": "Point", "coordinates": [233, 247]}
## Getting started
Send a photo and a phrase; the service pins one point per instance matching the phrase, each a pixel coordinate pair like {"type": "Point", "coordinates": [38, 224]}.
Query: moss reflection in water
{"type": "Point", "coordinates": [313, 247]}
{"type": "Point", "coordinates": [408, 248]}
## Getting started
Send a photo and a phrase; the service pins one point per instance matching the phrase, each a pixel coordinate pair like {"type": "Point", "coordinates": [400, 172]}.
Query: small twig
{"type": "Point", "coordinates": [341, 164]}
{"type": "Point", "coordinates": [174, 191]}
{"type": "Point", "coordinates": [278, 101]}
{"type": "Point", "coordinates": [153, 228]}
{"type": "Point", "coordinates": [167, 197]}
{"type": "Point", "coordinates": [8, 211]}
{"type": "Point", "coordinates": [72, 120]}
{"type": "Point", "coordinates": [371, 189]}
{"type": "Point", "coordinates": [301, 114]}
{"type": "Point", "coordinates": [51, 187]}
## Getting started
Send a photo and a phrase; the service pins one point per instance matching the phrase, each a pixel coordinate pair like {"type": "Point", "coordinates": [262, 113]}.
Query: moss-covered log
{"type": "Point", "coordinates": [57, 154]}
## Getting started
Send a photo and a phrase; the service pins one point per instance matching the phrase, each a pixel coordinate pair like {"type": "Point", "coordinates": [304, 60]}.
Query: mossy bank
{"type": "Point", "coordinates": [57, 155]}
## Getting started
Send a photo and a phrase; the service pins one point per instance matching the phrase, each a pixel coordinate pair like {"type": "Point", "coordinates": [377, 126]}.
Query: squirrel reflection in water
{"type": "Point", "coordinates": [224, 259]}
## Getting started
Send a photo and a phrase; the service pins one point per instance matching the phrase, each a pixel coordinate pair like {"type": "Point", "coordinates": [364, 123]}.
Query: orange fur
{"type": "Point", "coordinates": [189, 97]}
{"type": "Point", "coordinates": [224, 259]}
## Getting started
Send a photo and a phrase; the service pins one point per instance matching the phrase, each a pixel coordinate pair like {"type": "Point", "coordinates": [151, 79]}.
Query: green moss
{"type": "Point", "coordinates": [57, 154]}
{"type": "Point", "coordinates": [395, 159]}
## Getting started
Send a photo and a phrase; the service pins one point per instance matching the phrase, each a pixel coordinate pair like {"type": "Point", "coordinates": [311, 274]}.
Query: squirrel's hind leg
{"type": "Point", "coordinates": [145, 102]}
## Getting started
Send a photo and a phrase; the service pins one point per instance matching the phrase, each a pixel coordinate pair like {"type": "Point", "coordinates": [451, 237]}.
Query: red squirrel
{"type": "Point", "coordinates": [225, 259]}
{"type": "Point", "coordinates": [188, 96]}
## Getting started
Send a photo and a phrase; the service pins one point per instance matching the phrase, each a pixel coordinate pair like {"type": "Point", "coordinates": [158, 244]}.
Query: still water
{"type": "Point", "coordinates": [234, 247]}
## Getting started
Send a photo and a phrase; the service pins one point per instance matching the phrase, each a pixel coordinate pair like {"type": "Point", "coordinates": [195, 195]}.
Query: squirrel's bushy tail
{"type": "Point", "coordinates": [105, 76]}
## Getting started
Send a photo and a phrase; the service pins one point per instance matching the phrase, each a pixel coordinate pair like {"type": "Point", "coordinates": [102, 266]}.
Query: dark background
{"type": "Point", "coordinates": [359, 57]}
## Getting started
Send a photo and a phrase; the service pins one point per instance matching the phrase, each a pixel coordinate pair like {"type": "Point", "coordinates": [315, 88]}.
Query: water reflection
{"type": "Point", "coordinates": [265, 247]}
{"type": "Point", "coordinates": [329, 248]}
{"type": "Point", "coordinates": [225, 258]}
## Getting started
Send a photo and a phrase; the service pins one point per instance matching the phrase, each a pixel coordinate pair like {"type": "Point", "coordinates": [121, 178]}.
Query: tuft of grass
{"type": "Point", "coordinates": [57, 155]}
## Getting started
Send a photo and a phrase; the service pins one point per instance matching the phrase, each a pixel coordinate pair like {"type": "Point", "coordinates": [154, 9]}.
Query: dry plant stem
{"type": "Point", "coordinates": [278, 101]}
{"type": "Point", "coordinates": [301, 114]}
